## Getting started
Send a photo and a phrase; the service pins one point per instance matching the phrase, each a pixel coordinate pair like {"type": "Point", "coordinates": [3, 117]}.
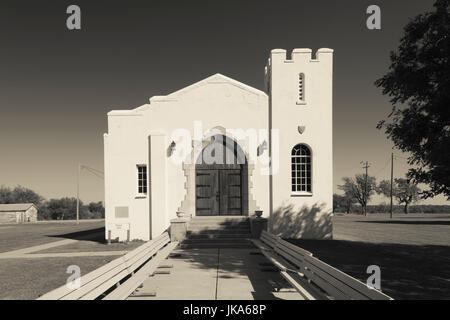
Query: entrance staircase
{"type": "Point", "coordinates": [218, 232]}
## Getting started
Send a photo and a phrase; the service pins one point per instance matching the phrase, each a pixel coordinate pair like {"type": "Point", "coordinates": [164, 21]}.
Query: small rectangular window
{"type": "Point", "coordinates": [301, 87]}
{"type": "Point", "coordinates": [142, 179]}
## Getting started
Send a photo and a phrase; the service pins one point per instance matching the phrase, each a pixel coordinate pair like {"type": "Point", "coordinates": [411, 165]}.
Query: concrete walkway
{"type": "Point", "coordinates": [27, 253]}
{"type": "Point", "coordinates": [217, 274]}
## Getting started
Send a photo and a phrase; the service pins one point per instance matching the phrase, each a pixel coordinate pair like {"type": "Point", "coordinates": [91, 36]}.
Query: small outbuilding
{"type": "Point", "coordinates": [18, 213]}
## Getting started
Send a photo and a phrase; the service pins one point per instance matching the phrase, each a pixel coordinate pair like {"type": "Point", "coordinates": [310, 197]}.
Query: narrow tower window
{"type": "Point", "coordinates": [142, 179]}
{"type": "Point", "coordinates": [301, 87]}
{"type": "Point", "coordinates": [301, 168]}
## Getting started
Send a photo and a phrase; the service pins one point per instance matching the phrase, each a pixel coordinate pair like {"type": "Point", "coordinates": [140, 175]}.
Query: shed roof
{"type": "Point", "coordinates": [16, 207]}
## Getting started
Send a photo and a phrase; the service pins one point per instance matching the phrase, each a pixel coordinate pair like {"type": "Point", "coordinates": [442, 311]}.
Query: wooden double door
{"type": "Point", "coordinates": [218, 192]}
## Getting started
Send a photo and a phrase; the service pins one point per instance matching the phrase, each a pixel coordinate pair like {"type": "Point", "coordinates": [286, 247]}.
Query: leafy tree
{"type": "Point", "coordinates": [64, 208]}
{"type": "Point", "coordinates": [19, 195]}
{"type": "Point", "coordinates": [343, 202]}
{"type": "Point", "coordinates": [54, 209]}
{"type": "Point", "coordinates": [97, 209]}
{"type": "Point", "coordinates": [418, 83]}
{"type": "Point", "coordinates": [5, 195]}
{"type": "Point", "coordinates": [356, 188]}
{"type": "Point", "coordinates": [25, 195]}
{"type": "Point", "coordinates": [403, 190]}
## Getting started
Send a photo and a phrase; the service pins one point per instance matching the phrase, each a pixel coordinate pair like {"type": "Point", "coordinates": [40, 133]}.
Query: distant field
{"type": "Point", "coordinates": [413, 229]}
{"type": "Point", "coordinates": [18, 236]}
{"type": "Point", "coordinates": [413, 252]}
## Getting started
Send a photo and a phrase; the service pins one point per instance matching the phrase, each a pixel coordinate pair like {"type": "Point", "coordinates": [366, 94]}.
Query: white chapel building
{"type": "Point", "coordinates": [220, 147]}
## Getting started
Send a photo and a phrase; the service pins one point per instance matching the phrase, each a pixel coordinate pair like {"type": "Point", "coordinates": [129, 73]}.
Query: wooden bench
{"type": "Point", "coordinates": [313, 278]}
{"type": "Point", "coordinates": [266, 242]}
{"type": "Point", "coordinates": [120, 277]}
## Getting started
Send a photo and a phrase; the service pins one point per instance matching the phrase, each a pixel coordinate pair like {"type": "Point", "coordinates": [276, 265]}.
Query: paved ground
{"type": "Point", "coordinates": [217, 274]}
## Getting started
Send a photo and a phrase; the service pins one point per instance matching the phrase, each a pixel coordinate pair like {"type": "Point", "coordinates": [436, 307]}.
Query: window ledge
{"type": "Point", "coordinates": [301, 194]}
{"type": "Point", "coordinates": [141, 196]}
{"type": "Point", "coordinates": [301, 102]}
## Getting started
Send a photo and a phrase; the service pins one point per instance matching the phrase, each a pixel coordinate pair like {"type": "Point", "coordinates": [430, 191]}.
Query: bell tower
{"type": "Point", "coordinates": [301, 142]}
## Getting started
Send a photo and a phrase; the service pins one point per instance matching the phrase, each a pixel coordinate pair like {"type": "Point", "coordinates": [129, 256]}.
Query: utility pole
{"type": "Point", "coordinates": [392, 178]}
{"type": "Point", "coordinates": [366, 166]}
{"type": "Point", "coordinates": [78, 193]}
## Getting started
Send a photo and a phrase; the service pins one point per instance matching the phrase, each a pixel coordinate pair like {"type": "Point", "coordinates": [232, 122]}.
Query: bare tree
{"type": "Point", "coordinates": [403, 190]}
{"type": "Point", "coordinates": [357, 189]}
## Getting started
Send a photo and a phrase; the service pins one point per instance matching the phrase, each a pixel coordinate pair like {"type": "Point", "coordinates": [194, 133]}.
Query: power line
{"type": "Point", "coordinates": [100, 175]}
{"type": "Point", "coordinates": [95, 172]}
{"type": "Point", "coordinates": [384, 167]}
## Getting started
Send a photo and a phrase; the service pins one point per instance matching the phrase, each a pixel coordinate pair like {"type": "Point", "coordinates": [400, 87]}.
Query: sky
{"type": "Point", "coordinates": [56, 85]}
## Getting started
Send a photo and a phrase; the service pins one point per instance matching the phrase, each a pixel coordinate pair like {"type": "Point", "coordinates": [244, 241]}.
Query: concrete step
{"type": "Point", "coordinates": [219, 235]}
{"type": "Point", "coordinates": [207, 245]}
{"type": "Point", "coordinates": [215, 231]}
{"type": "Point", "coordinates": [198, 228]}
{"type": "Point", "coordinates": [220, 217]}
{"type": "Point", "coordinates": [221, 222]}
{"type": "Point", "coordinates": [217, 240]}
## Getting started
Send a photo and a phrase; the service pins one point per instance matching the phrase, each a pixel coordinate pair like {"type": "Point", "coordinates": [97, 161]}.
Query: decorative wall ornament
{"type": "Point", "coordinates": [171, 149]}
{"type": "Point", "coordinates": [301, 129]}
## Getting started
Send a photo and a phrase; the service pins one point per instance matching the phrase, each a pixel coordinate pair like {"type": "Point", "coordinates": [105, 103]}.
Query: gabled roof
{"type": "Point", "coordinates": [216, 78]}
{"type": "Point", "coordinates": [16, 207]}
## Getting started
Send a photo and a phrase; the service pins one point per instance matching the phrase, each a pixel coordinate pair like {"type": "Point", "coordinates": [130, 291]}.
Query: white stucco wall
{"type": "Point", "coordinates": [143, 136]}
{"type": "Point", "coordinates": [302, 215]}
{"type": "Point", "coordinates": [218, 102]}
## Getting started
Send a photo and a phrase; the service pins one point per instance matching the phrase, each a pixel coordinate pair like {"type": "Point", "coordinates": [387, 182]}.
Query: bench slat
{"type": "Point", "coordinates": [332, 285]}
{"type": "Point", "coordinates": [296, 283]}
{"type": "Point", "coordinates": [128, 270]}
{"type": "Point", "coordinates": [104, 281]}
{"type": "Point", "coordinates": [127, 288]}
{"type": "Point", "coordinates": [336, 284]}
{"type": "Point", "coordinates": [269, 239]}
{"type": "Point", "coordinates": [64, 290]}
{"type": "Point", "coordinates": [260, 245]}
{"type": "Point", "coordinates": [96, 282]}
{"type": "Point", "coordinates": [298, 249]}
{"type": "Point", "coordinates": [294, 256]}
{"type": "Point", "coordinates": [356, 285]}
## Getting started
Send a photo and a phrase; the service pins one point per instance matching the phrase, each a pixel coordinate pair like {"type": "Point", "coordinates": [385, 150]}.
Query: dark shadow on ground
{"type": "Point", "coordinates": [307, 222]}
{"type": "Point", "coordinates": [431, 223]}
{"type": "Point", "coordinates": [407, 271]}
{"type": "Point", "coordinates": [96, 235]}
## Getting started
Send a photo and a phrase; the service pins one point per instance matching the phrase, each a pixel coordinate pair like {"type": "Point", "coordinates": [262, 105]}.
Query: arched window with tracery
{"type": "Point", "coordinates": [301, 168]}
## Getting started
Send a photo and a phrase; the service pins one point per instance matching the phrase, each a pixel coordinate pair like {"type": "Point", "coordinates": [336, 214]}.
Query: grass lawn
{"type": "Point", "coordinates": [30, 278]}
{"type": "Point", "coordinates": [413, 252]}
{"type": "Point", "coordinates": [20, 236]}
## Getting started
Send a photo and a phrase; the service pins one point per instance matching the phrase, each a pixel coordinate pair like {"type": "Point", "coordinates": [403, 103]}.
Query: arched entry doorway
{"type": "Point", "coordinates": [221, 179]}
